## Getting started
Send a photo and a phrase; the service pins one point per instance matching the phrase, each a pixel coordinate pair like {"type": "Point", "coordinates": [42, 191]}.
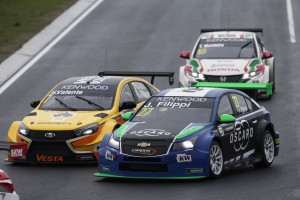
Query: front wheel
{"type": "Point", "coordinates": [268, 150]}
{"type": "Point", "coordinates": [215, 160]}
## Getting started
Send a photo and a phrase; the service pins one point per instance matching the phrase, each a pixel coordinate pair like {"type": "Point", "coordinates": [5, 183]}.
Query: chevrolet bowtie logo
{"type": "Point", "coordinates": [144, 144]}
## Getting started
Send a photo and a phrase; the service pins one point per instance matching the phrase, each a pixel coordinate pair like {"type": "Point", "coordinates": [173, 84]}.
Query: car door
{"type": "Point", "coordinates": [225, 129]}
{"type": "Point", "coordinates": [243, 138]}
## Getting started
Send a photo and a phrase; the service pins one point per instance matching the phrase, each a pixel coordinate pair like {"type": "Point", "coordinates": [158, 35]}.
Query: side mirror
{"type": "Point", "coordinates": [126, 116]}
{"type": "Point", "coordinates": [267, 54]}
{"type": "Point", "coordinates": [184, 54]}
{"type": "Point", "coordinates": [226, 118]}
{"type": "Point", "coordinates": [34, 104]}
{"type": "Point", "coordinates": [127, 105]}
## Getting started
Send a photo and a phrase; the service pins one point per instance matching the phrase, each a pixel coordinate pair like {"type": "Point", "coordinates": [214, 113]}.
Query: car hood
{"type": "Point", "coordinates": [158, 131]}
{"type": "Point", "coordinates": [62, 120]}
{"type": "Point", "coordinates": [225, 67]}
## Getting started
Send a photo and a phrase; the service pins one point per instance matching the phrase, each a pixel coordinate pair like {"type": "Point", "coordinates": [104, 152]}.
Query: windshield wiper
{"type": "Point", "coordinates": [65, 105]}
{"type": "Point", "coordinates": [91, 103]}
{"type": "Point", "coordinates": [244, 46]}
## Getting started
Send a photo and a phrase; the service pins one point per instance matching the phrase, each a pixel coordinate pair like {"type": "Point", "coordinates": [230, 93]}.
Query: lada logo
{"type": "Point", "coordinates": [50, 135]}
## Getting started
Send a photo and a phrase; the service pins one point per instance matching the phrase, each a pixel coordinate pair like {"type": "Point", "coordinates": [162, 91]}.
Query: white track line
{"type": "Point", "coordinates": [291, 20]}
{"type": "Point", "coordinates": [17, 75]}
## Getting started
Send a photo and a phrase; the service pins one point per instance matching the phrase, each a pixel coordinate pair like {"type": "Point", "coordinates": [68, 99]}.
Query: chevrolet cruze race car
{"type": "Point", "coordinates": [236, 57]}
{"type": "Point", "coordinates": [69, 123]}
{"type": "Point", "coordinates": [190, 133]}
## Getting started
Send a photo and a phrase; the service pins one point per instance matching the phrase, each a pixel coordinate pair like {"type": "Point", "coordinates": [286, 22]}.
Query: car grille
{"type": "Point", "coordinates": [143, 167]}
{"type": "Point", "coordinates": [157, 147]}
{"type": "Point", "coordinates": [49, 148]}
{"type": "Point", "coordinates": [235, 78]}
{"type": "Point", "coordinates": [139, 159]}
{"type": "Point", "coordinates": [60, 136]}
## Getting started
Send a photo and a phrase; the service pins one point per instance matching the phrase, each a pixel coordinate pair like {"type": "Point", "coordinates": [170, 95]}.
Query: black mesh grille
{"type": "Point", "coordinates": [236, 78]}
{"type": "Point", "coordinates": [60, 136]}
{"type": "Point", "coordinates": [143, 167]}
{"type": "Point", "coordinates": [49, 148]}
{"type": "Point", "coordinates": [141, 159]}
{"type": "Point", "coordinates": [156, 147]}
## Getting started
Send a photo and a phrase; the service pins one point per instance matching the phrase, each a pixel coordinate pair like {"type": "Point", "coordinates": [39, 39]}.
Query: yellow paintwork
{"type": "Point", "coordinates": [43, 120]}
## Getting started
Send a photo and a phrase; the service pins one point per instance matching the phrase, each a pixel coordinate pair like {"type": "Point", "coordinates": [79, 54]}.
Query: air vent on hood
{"type": "Point", "coordinates": [102, 115]}
{"type": "Point", "coordinates": [31, 114]}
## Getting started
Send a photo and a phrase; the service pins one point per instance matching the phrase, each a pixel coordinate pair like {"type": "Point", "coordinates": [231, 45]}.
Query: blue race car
{"type": "Point", "coordinates": [187, 133]}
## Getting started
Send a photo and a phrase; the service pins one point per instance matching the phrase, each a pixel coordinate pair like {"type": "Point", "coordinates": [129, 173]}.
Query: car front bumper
{"type": "Point", "coordinates": [189, 164]}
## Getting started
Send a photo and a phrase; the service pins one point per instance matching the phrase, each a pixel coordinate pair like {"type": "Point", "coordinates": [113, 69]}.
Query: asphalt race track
{"type": "Point", "coordinates": [141, 35]}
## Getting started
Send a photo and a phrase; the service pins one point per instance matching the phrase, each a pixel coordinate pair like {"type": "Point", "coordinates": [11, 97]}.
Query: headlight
{"type": "Point", "coordinates": [195, 75]}
{"type": "Point", "coordinates": [252, 74]}
{"type": "Point", "coordinates": [188, 144]}
{"type": "Point", "coordinates": [23, 130]}
{"type": "Point", "coordinates": [113, 143]}
{"type": "Point", "coordinates": [87, 130]}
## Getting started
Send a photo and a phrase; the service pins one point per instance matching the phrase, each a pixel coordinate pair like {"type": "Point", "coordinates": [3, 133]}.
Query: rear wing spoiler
{"type": "Point", "coordinates": [255, 30]}
{"type": "Point", "coordinates": [15, 150]}
{"type": "Point", "coordinates": [148, 74]}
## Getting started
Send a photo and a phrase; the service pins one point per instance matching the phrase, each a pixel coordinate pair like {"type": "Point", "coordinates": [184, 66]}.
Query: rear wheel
{"type": "Point", "coordinates": [268, 150]}
{"type": "Point", "coordinates": [215, 160]}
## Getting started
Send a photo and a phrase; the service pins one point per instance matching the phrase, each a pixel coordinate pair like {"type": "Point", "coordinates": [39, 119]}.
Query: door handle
{"type": "Point", "coordinates": [254, 122]}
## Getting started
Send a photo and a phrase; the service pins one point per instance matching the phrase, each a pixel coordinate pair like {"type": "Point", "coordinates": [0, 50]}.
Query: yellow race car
{"type": "Point", "coordinates": [69, 123]}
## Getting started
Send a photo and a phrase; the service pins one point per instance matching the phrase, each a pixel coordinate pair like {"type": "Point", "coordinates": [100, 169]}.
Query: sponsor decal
{"type": "Point", "coordinates": [213, 45]}
{"type": "Point", "coordinates": [223, 70]}
{"type": "Point", "coordinates": [150, 132]}
{"type": "Point", "coordinates": [226, 40]}
{"type": "Point", "coordinates": [110, 156]}
{"type": "Point", "coordinates": [91, 80]}
{"type": "Point", "coordinates": [193, 170]}
{"type": "Point", "coordinates": [18, 150]}
{"type": "Point", "coordinates": [144, 144]}
{"type": "Point", "coordinates": [241, 136]}
{"type": "Point", "coordinates": [192, 99]}
{"type": "Point", "coordinates": [104, 168]}
{"type": "Point", "coordinates": [223, 65]}
{"type": "Point", "coordinates": [43, 158]}
{"type": "Point", "coordinates": [144, 151]}
{"type": "Point", "coordinates": [84, 157]}
{"type": "Point", "coordinates": [60, 117]}
{"type": "Point", "coordinates": [50, 135]}
{"type": "Point", "coordinates": [183, 158]}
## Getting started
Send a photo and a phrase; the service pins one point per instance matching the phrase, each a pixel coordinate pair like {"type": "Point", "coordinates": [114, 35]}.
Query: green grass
{"type": "Point", "coordinates": [20, 20]}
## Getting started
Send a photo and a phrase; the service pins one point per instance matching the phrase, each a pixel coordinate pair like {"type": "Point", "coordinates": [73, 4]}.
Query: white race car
{"type": "Point", "coordinates": [229, 58]}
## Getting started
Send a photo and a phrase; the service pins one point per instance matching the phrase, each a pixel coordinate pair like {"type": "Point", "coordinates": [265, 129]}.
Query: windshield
{"type": "Point", "coordinates": [181, 110]}
{"type": "Point", "coordinates": [81, 97]}
{"type": "Point", "coordinates": [226, 48]}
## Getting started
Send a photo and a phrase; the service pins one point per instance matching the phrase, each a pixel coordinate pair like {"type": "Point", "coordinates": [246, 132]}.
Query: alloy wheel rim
{"type": "Point", "coordinates": [216, 159]}
{"type": "Point", "coordinates": [269, 148]}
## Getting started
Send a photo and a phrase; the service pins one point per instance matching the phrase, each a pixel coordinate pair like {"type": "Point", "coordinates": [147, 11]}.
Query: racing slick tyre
{"type": "Point", "coordinates": [268, 150]}
{"type": "Point", "coordinates": [215, 160]}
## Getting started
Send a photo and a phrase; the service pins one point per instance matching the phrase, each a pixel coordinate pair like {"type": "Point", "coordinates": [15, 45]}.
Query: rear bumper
{"type": "Point", "coordinates": [238, 86]}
